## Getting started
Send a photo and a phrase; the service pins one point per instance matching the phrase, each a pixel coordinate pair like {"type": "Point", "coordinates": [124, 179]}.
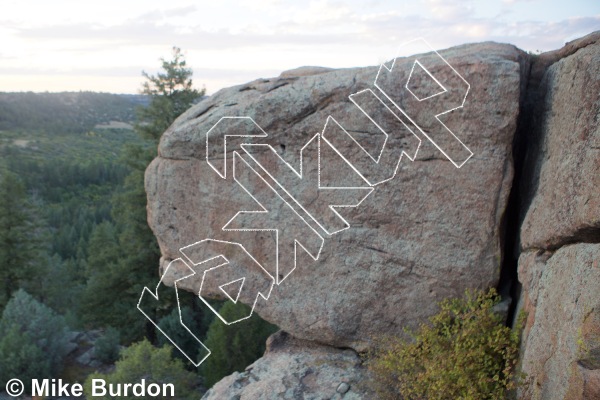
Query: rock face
{"type": "Point", "coordinates": [562, 352]}
{"type": "Point", "coordinates": [566, 163]}
{"type": "Point", "coordinates": [559, 262]}
{"type": "Point", "coordinates": [428, 233]}
{"type": "Point", "coordinates": [295, 369]}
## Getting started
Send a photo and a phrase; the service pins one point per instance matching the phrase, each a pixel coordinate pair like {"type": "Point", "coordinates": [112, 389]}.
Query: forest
{"type": "Point", "coordinates": [76, 250]}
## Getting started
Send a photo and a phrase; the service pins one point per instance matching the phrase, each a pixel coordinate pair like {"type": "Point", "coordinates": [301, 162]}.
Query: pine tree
{"type": "Point", "coordinates": [115, 293]}
{"type": "Point", "coordinates": [33, 340]}
{"type": "Point", "coordinates": [103, 280]}
{"type": "Point", "coordinates": [156, 365]}
{"type": "Point", "coordinates": [19, 237]}
{"type": "Point", "coordinates": [170, 92]}
{"type": "Point", "coordinates": [235, 346]}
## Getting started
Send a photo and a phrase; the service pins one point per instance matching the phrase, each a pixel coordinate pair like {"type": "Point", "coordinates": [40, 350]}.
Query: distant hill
{"type": "Point", "coordinates": [65, 128]}
{"type": "Point", "coordinates": [67, 112]}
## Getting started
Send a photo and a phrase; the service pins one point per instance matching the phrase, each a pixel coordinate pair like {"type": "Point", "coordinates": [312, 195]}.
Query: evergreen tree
{"type": "Point", "coordinates": [134, 263]}
{"type": "Point", "coordinates": [106, 348]}
{"type": "Point", "coordinates": [33, 340]}
{"type": "Point", "coordinates": [61, 287]}
{"type": "Point", "coordinates": [19, 237]}
{"type": "Point", "coordinates": [155, 365]}
{"type": "Point", "coordinates": [21, 356]}
{"type": "Point", "coordinates": [171, 93]}
{"type": "Point", "coordinates": [102, 293]}
{"type": "Point", "coordinates": [103, 248]}
{"type": "Point", "coordinates": [235, 346]}
{"type": "Point", "coordinates": [172, 327]}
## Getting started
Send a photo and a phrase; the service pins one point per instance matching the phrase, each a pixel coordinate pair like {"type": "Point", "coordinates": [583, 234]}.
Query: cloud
{"type": "Point", "coordinates": [143, 33]}
{"type": "Point", "coordinates": [517, 1]}
{"type": "Point", "coordinates": [527, 34]}
{"type": "Point", "coordinates": [446, 10]}
{"type": "Point", "coordinates": [322, 11]}
{"type": "Point", "coordinates": [230, 44]}
{"type": "Point", "coordinates": [322, 23]}
{"type": "Point", "coordinates": [159, 15]}
{"type": "Point", "coordinates": [203, 73]}
{"type": "Point", "coordinates": [544, 36]}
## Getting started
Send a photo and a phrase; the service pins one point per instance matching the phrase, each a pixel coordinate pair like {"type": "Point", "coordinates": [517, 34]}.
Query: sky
{"type": "Point", "coordinates": [73, 45]}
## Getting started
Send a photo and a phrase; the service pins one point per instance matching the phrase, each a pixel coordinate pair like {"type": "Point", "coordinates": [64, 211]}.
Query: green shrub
{"type": "Point", "coordinates": [33, 340]}
{"type": "Point", "coordinates": [235, 346]}
{"type": "Point", "coordinates": [171, 326]}
{"type": "Point", "coordinates": [21, 358]}
{"type": "Point", "coordinates": [156, 365]}
{"type": "Point", "coordinates": [465, 352]}
{"type": "Point", "coordinates": [106, 348]}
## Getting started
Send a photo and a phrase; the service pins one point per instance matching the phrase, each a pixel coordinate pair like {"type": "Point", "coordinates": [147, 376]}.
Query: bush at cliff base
{"type": "Point", "coordinates": [465, 352]}
{"type": "Point", "coordinates": [155, 365]}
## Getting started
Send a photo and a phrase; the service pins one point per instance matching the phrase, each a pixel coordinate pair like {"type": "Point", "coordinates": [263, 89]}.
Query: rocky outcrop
{"type": "Point", "coordinates": [295, 369]}
{"type": "Point", "coordinates": [563, 163]}
{"type": "Point", "coordinates": [561, 354]}
{"type": "Point", "coordinates": [427, 234]}
{"type": "Point", "coordinates": [560, 233]}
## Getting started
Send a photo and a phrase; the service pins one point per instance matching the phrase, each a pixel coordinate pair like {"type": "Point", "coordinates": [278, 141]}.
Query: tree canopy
{"type": "Point", "coordinates": [171, 93]}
